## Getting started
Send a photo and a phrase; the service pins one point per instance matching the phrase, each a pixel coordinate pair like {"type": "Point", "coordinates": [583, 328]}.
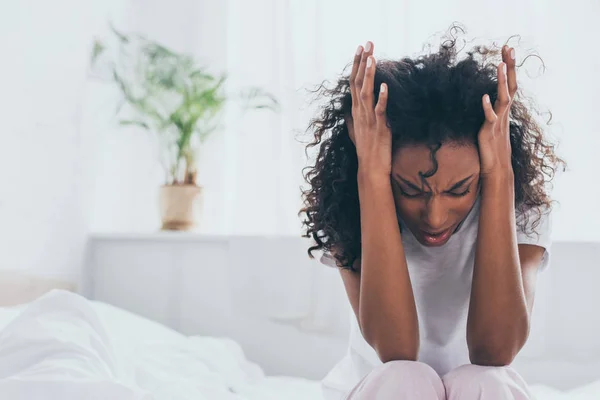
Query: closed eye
{"type": "Point", "coordinates": [419, 194]}
{"type": "Point", "coordinates": [410, 190]}
{"type": "Point", "coordinates": [411, 195]}
{"type": "Point", "coordinates": [459, 194]}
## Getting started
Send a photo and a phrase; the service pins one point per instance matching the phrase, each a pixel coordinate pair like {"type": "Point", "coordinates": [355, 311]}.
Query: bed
{"type": "Point", "coordinates": [63, 346]}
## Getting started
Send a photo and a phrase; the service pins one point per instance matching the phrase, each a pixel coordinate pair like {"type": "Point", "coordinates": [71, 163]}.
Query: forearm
{"type": "Point", "coordinates": [498, 321]}
{"type": "Point", "coordinates": [387, 311]}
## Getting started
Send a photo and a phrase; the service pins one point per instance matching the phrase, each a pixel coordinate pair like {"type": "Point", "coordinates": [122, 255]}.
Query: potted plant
{"type": "Point", "coordinates": [171, 96]}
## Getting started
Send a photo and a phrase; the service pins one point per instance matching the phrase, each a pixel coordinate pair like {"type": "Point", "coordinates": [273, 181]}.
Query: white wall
{"type": "Point", "coordinates": [65, 165]}
{"type": "Point", "coordinates": [44, 49]}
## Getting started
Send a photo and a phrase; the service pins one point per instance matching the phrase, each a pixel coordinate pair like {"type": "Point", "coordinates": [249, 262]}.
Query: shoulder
{"type": "Point", "coordinates": [534, 225]}
{"type": "Point", "coordinates": [326, 258]}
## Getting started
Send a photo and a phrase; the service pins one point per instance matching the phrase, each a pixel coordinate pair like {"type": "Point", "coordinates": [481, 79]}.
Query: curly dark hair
{"type": "Point", "coordinates": [432, 99]}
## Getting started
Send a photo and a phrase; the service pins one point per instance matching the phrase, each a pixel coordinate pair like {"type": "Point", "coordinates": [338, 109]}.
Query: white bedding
{"type": "Point", "coordinates": [63, 346]}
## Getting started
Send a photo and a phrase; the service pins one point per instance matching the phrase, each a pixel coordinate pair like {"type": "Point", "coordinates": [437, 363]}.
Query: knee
{"type": "Point", "coordinates": [476, 379]}
{"type": "Point", "coordinates": [401, 379]}
{"type": "Point", "coordinates": [467, 374]}
{"type": "Point", "coordinates": [413, 369]}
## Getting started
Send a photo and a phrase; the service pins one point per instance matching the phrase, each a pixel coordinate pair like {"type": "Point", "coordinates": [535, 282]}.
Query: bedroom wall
{"type": "Point", "coordinates": [65, 166]}
{"type": "Point", "coordinates": [43, 151]}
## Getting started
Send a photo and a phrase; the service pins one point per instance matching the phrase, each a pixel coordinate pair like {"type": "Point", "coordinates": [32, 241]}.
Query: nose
{"type": "Point", "coordinates": [435, 215]}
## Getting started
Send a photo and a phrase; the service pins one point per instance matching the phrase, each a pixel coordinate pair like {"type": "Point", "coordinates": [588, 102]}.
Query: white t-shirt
{"type": "Point", "coordinates": [441, 280]}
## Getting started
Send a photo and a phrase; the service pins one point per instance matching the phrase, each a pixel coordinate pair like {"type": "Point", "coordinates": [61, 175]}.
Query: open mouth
{"type": "Point", "coordinates": [438, 238]}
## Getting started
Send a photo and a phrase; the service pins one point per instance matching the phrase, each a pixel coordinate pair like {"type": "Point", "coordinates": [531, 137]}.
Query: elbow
{"type": "Point", "coordinates": [387, 355]}
{"type": "Point", "coordinates": [492, 356]}
{"type": "Point", "coordinates": [392, 341]}
{"type": "Point", "coordinates": [496, 353]}
{"type": "Point", "coordinates": [497, 350]}
{"type": "Point", "coordinates": [393, 348]}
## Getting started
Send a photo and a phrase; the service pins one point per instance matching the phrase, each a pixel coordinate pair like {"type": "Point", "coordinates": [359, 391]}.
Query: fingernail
{"type": "Point", "coordinates": [512, 53]}
{"type": "Point", "coordinates": [359, 50]}
{"type": "Point", "coordinates": [369, 62]}
{"type": "Point", "coordinates": [368, 47]}
{"type": "Point", "coordinates": [504, 69]}
{"type": "Point", "coordinates": [487, 98]}
{"type": "Point", "coordinates": [382, 90]}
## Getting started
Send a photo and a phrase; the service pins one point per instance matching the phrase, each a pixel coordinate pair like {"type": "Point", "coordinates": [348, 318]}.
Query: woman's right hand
{"type": "Point", "coordinates": [367, 126]}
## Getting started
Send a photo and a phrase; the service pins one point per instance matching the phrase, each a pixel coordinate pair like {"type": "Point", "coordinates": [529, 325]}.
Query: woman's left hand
{"type": "Point", "coordinates": [494, 135]}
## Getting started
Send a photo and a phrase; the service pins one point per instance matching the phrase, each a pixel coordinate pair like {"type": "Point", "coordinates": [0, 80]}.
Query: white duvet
{"type": "Point", "coordinates": [65, 347]}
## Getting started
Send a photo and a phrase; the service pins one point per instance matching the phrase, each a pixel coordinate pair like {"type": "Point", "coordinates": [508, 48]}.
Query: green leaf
{"type": "Point", "coordinates": [122, 37]}
{"type": "Point", "coordinates": [97, 49]}
{"type": "Point", "coordinates": [257, 98]}
{"type": "Point", "coordinates": [126, 122]}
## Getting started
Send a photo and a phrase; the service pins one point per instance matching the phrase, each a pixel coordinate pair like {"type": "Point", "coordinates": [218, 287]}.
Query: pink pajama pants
{"type": "Point", "coordinates": [408, 380]}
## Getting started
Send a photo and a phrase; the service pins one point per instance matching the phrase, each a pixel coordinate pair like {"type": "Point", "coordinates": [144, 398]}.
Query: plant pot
{"type": "Point", "coordinates": [180, 207]}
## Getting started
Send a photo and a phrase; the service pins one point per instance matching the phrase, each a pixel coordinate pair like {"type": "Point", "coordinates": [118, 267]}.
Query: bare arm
{"type": "Point", "coordinates": [504, 281]}
{"type": "Point", "coordinates": [381, 295]}
{"type": "Point", "coordinates": [387, 312]}
{"type": "Point", "coordinates": [498, 321]}
{"type": "Point", "coordinates": [504, 274]}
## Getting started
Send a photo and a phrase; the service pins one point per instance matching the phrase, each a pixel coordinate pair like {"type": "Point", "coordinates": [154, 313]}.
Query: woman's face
{"type": "Point", "coordinates": [433, 210]}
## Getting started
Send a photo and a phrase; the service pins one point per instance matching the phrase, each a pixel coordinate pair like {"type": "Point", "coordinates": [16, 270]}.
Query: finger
{"type": "Point", "coordinates": [490, 115]}
{"type": "Point", "coordinates": [353, 91]}
{"type": "Point", "coordinates": [382, 105]}
{"type": "Point", "coordinates": [503, 98]}
{"type": "Point", "coordinates": [360, 75]}
{"type": "Point", "coordinates": [512, 71]}
{"type": "Point", "coordinates": [504, 53]}
{"type": "Point", "coordinates": [504, 126]}
{"type": "Point", "coordinates": [366, 93]}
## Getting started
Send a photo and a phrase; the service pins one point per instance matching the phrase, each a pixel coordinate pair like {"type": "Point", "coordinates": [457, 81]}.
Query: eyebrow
{"type": "Point", "coordinates": [415, 187]}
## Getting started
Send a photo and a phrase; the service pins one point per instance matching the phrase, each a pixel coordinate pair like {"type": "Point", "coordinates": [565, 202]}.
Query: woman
{"type": "Point", "coordinates": [429, 194]}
